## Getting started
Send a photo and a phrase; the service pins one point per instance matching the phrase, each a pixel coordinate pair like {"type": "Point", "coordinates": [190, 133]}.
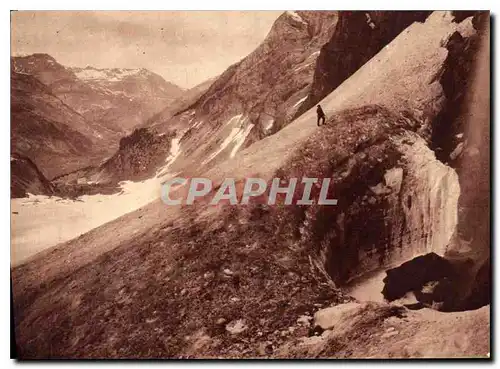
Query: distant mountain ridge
{"type": "Point", "coordinates": [118, 99]}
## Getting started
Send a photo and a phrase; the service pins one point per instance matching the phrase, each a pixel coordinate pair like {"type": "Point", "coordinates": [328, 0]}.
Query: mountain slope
{"type": "Point", "coordinates": [160, 120]}
{"type": "Point", "coordinates": [26, 178]}
{"type": "Point", "coordinates": [116, 99]}
{"type": "Point", "coordinates": [46, 130]}
{"type": "Point", "coordinates": [265, 91]}
{"type": "Point", "coordinates": [258, 95]}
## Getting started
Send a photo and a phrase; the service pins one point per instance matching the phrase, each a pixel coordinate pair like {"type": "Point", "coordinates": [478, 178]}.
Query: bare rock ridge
{"type": "Point", "coordinates": [267, 281]}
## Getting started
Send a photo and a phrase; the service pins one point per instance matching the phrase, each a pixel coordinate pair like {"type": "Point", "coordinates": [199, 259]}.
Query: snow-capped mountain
{"type": "Point", "coordinates": [117, 99]}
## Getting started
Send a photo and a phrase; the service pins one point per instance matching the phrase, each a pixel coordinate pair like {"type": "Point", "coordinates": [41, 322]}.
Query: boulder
{"type": "Point", "coordinates": [327, 318]}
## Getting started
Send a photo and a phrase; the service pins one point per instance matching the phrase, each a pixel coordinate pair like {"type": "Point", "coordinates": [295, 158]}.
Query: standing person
{"type": "Point", "coordinates": [321, 115]}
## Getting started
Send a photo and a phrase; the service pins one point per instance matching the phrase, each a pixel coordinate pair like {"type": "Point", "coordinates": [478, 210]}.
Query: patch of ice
{"type": "Point", "coordinates": [175, 151]}
{"type": "Point", "coordinates": [313, 54]}
{"type": "Point", "coordinates": [236, 119]}
{"type": "Point", "coordinates": [240, 139]}
{"type": "Point", "coordinates": [269, 125]}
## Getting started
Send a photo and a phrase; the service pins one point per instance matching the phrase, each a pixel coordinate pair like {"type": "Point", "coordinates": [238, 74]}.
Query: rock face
{"type": "Point", "coordinates": [464, 283]}
{"type": "Point", "coordinates": [357, 37]}
{"type": "Point", "coordinates": [26, 178]}
{"type": "Point", "coordinates": [43, 128]}
{"type": "Point", "coordinates": [448, 128]}
{"type": "Point", "coordinates": [395, 200]}
{"type": "Point", "coordinates": [116, 99]}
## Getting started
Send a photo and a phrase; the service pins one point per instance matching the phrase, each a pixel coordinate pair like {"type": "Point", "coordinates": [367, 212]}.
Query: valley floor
{"type": "Point", "coordinates": [39, 222]}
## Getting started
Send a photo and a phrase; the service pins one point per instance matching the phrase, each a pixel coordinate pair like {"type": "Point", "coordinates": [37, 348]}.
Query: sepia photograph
{"type": "Point", "coordinates": [293, 184]}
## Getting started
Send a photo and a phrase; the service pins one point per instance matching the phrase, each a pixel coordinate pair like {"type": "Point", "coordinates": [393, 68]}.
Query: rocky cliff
{"type": "Point", "coordinates": [258, 95]}
{"type": "Point", "coordinates": [358, 36]}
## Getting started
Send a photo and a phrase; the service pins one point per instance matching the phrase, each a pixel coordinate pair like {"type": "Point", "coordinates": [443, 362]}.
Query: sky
{"type": "Point", "coordinates": [184, 47]}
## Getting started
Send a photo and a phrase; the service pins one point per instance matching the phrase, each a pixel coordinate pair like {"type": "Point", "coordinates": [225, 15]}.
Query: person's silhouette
{"type": "Point", "coordinates": [321, 115]}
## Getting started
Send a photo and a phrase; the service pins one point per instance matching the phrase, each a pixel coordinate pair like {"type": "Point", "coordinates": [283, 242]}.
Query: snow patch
{"type": "Point", "coordinates": [44, 221]}
{"type": "Point", "coordinates": [302, 67]}
{"type": "Point", "coordinates": [313, 54]}
{"type": "Point", "coordinates": [197, 124]}
{"type": "Point", "coordinates": [240, 139]}
{"type": "Point", "coordinates": [115, 75]}
{"type": "Point", "coordinates": [295, 17]}
{"type": "Point", "coordinates": [175, 151]}
{"type": "Point", "coordinates": [236, 137]}
{"type": "Point", "coordinates": [300, 101]}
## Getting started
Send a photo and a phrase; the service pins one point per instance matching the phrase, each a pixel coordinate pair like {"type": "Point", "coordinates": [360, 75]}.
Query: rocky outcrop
{"type": "Point", "coordinates": [395, 199]}
{"type": "Point", "coordinates": [26, 178]}
{"type": "Point", "coordinates": [138, 156]}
